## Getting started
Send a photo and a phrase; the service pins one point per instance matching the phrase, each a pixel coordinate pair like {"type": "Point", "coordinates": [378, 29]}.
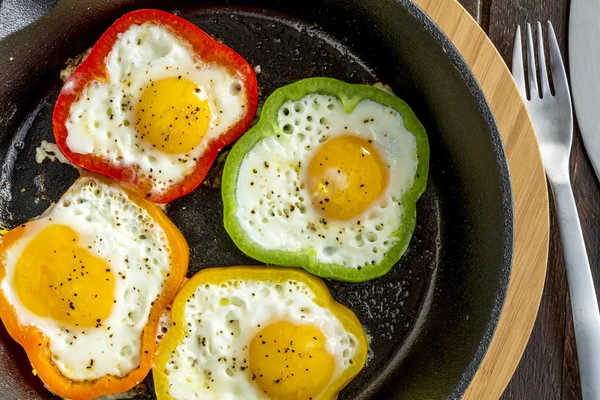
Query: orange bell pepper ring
{"type": "Point", "coordinates": [42, 261]}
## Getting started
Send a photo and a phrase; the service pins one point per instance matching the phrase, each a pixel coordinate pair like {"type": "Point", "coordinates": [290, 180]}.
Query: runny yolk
{"type": "Point", "coordinates": [289, 361]}
{"type": "Point", "coordinates": [345, 176]}
{"type": "Point", "coordinates": [56, 278]}
{"type": "Point", "coordinates": [172, 115]}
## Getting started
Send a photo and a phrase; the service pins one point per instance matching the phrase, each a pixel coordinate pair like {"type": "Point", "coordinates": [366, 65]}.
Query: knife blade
{"type": "Point", "coordinates": [584, 62]}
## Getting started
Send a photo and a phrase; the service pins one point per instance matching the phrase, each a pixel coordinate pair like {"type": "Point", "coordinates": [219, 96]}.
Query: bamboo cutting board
{"type": "Point", "coordinates": [529, 194]}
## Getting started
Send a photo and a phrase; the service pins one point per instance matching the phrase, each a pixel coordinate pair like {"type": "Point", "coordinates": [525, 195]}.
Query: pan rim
{"type": "Point", "coordinates": [458, 62]}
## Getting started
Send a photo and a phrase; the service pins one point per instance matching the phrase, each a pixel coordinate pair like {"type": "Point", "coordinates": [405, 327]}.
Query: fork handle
{"type": "Point", "coordinates": [584, 303]}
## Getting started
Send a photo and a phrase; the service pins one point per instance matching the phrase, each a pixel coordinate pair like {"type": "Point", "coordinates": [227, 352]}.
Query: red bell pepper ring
{"type": "Point", "coordinates": [93, 68]}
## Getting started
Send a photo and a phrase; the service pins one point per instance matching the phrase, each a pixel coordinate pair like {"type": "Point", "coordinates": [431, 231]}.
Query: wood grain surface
{"type": "Point", "coordinates": [549, 366]}
{"type": "Point", "coordinates": [548, 369]}
{"type": "Point", "coordinates": [529, 194]}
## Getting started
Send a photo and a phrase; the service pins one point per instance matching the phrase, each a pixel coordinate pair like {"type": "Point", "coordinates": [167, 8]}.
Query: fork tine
{"type": "Point", "coordinates": [517, 64]}
{"type": "Point", "coordinates": [559, 76]}
{"type": "Point", "coordinates": [544, 85]}
{"type": "Point", "coordinates": [531, 69]}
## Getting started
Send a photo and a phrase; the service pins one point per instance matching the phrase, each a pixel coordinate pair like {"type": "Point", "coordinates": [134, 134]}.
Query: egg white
{"type": "Point", "coordinates": [211, 362]}
{"type": "Point", "coordinates": [116, 229]}
{"type": "Point", "coordinates": [274, 207]}
{"type": "Point", "coordinates": [97, 120]}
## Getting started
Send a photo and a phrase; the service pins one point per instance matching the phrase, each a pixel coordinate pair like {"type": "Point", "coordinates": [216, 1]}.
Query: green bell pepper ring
{"type": "Point", "coordinates": [350, 96]}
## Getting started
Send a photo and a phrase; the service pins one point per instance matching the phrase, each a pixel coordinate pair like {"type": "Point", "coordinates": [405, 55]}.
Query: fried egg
{"type": "Point", "coordinates": [92, 276]}
{"type": "Point", "coordinates": [330, 182]}
{"type": "Point", "coordinates": [258, 333]}
{"type": "Point", "coordinates": [159, 108]}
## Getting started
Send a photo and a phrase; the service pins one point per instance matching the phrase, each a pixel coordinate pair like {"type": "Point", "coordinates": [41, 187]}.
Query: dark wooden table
{"type": "Point", "coordinates": [548, 369]}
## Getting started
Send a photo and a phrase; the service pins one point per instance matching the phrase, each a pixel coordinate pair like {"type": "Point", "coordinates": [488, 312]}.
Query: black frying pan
{"type": "Point", "coordinates": [432, 317]}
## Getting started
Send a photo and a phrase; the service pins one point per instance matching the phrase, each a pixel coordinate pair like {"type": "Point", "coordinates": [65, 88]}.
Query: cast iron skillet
{"type": "Point", "coordinates": [432, 317]}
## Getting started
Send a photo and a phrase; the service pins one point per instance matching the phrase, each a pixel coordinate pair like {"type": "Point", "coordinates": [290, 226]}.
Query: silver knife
{"type": "Point", "coordinates": [584, 62]}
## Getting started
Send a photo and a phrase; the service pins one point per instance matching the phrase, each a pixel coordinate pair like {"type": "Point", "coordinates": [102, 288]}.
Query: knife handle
{"type": "Point", "coordinates": [584, 303]}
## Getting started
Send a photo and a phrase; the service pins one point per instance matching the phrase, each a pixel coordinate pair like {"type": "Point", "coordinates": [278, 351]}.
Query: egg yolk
{"type": "Point", "coordinates": [289, 361]}
{"type": "Point", "coordinates": [56, 278]}
{"type": "Point", "coordinates": [345, 176]}
{"type": "Point", "coordinates": [172, 115]}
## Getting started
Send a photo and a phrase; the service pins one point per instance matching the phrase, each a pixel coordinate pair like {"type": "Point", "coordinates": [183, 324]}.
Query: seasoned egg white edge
{"type": "Point", "coordinates": [253, 305]}
{"type": "Point", "coordinates": [50, 151]}
{"type": "Point", "coordinates": [130, 67]}
{"type": "Point", "coordinates": [274, 208]}
{"type": "Point", "coordinates": [116, 351]}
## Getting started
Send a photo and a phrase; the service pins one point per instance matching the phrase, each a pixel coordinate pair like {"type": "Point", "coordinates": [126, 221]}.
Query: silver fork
{"type": "Point", "coordinates": [552, 117]}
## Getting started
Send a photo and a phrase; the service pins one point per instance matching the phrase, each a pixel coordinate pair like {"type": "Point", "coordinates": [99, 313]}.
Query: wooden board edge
{"type": "Point", "coordinates": [530, 196]}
